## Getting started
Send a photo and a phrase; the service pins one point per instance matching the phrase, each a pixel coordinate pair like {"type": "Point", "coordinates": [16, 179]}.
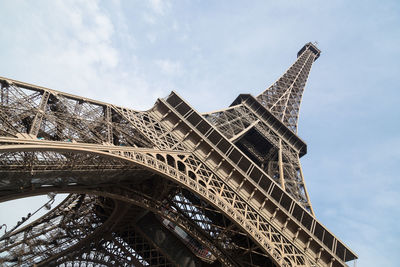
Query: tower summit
{"type": "Point", "coordinates": [283, 97]}
{"type": "Point", "coordinates": [163, 187]}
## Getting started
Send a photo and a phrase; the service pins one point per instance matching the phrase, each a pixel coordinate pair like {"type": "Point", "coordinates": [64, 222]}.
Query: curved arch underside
{"type": "Point", "coordinates": [105, 179]}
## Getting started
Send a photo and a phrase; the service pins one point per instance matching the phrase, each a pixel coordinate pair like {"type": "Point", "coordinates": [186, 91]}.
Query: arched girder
{"type": "Point", "coordinates": [103, 236]}
{"type": "Point", "coordinates": [149, 203]}
{"type": "Point", "coordinates": [164, 210]}
{"type": "Point", "coordinates": [73, 188]}
{"type": "Point", "coordinates": [279, 249]}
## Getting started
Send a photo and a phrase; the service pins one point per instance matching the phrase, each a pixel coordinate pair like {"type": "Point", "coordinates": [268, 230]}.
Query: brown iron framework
{"type": "Point", "coordinates": [163, 187]}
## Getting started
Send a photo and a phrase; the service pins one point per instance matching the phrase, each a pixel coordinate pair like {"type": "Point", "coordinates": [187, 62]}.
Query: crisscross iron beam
{"type": "Point", "coordinates": [163, 187]}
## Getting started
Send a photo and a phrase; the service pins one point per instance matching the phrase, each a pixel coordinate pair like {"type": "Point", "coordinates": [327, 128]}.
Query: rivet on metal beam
{"type": "Point", "coordinates": [286, 223]}
{"type": "Point", "coordinates": [165, 115]}
{"type": "Point", "coordinates": [274, 214]}
{"type": "Point", "coordinates": [319, 254]}
{"type": "Point", "coordinates": [263, 203]}
{"type": "Point", "coordinates": [308, 244]}
{"type": "Point", "coordinates": [252, 193]}
{"type": "Point", "coordinates": [296, 235]}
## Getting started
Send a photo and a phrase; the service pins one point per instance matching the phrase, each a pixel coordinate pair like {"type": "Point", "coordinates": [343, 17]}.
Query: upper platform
{"type": "Point", "coordinates": [270, 119]}
{"type": "Point", "coordinates": [312, 47]}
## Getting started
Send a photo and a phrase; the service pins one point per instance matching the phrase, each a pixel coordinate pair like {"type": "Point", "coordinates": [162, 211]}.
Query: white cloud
{"type": "Point", "coordinates": [75, 50]}
{"type": "Point", "coordinates": [151, 37]}
{"type": "Point", "coordinates": [169, 67]}
{"type": "Point", "coordinates": [159, 7]}
{"type": "Point", "coordinates": [150, 19]}
{"type": "Point", "coordinates": [175, 26]}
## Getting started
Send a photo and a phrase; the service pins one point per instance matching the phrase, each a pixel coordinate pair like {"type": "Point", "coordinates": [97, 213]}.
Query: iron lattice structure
{"type": "Point", "coordinates": [163, 187]}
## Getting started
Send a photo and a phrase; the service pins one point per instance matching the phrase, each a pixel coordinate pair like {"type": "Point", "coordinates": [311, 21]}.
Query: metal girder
{"type": "Point", "coordinates": [225, 187]}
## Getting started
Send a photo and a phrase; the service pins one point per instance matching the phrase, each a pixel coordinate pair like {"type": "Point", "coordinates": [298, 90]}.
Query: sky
{"type": "Point", "coordinates": [132, 52]}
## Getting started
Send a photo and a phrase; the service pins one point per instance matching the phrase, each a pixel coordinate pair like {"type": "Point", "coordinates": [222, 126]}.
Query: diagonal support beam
{"type": "Point", "coordinates": [37, 121]}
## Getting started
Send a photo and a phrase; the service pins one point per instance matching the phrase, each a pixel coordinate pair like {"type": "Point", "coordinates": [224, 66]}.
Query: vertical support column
{"type": "Point", "coordinates": [280, 163]}
{"type": "Point", "coordinates": [109, 124]}
{"type": "Point", "coordinates": [4, 93]}
{"type": "Point", "coordinates": [305, 188]}
{"type": "Point", "coordinates": [76, 113]}
{"type": "Point", "coordinates": [37, 121]}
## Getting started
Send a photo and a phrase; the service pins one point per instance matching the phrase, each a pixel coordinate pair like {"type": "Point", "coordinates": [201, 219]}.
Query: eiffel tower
{"type": "Point", "coordinates": [163, 187]}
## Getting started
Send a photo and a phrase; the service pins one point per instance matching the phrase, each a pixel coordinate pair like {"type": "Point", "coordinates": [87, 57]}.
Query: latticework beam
{"type": "Point", "coordinates": [165, 187]}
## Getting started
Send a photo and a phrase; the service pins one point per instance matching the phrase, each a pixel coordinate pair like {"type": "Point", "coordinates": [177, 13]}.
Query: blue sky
{"type": "Point", "coordinates": [131, 52]}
